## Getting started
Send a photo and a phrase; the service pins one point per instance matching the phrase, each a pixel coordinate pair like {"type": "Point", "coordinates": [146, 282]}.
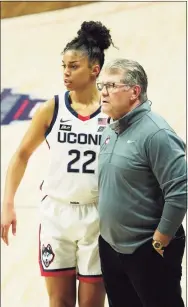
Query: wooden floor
{"type": "Point", "coordinates": [151, 33]}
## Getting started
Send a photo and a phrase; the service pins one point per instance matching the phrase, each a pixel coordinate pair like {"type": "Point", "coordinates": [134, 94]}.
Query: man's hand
{"type": "Point", "coordinates": [164, 239]}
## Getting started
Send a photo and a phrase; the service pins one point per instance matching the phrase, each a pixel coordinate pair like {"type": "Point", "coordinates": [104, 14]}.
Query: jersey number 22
{"type": "Point", "coordinates": [85, 167]}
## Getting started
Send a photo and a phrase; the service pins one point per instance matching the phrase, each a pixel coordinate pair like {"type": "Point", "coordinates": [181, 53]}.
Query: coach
{"type": "Point", "coordinates": [142, 194]}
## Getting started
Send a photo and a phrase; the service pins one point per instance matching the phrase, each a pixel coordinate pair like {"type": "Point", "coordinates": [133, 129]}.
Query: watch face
{"type": "Point", "coordinates": [157, 245]}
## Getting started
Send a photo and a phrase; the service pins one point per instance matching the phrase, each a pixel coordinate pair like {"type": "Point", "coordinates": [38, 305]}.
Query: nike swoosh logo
{"type": "Point", "coordinates": [64, 121]}
{"type": "Point", "coordinates": [129, 141]}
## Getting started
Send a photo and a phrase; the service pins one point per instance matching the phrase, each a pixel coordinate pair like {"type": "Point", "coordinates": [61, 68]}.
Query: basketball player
{"type": "Point", "coordinates": [71, 124]}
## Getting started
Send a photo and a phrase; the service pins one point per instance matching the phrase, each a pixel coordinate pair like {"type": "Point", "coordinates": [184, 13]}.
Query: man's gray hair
{"type": "Point", "coordinates": [134, 74]}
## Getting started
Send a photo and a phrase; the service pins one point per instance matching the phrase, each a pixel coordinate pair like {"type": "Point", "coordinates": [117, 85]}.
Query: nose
{"type": "Point", "coordinates": [66, 72]}
{"type": "Point", "coordinates": [104, 91]}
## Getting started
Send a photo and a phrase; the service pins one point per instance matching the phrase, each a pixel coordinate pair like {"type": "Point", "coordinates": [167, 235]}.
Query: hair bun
{"type": "Point", "coordinates": [94, 33]}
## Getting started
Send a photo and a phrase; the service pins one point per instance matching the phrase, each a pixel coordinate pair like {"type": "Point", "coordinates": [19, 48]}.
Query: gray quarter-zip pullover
{"type": "Point", "coordinates": [142, 179]}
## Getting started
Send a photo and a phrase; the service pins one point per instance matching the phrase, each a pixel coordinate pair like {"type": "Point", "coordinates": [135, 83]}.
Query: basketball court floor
{"type": "Point", "coordinates": [153, 33]}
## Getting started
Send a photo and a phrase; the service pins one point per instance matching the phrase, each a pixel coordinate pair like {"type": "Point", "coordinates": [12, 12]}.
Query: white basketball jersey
{"type": "Point", "coordinates": [74, 142]}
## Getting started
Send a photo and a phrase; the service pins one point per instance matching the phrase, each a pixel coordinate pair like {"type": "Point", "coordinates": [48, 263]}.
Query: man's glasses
{"type": "Point", "coordinates": [111, 86]}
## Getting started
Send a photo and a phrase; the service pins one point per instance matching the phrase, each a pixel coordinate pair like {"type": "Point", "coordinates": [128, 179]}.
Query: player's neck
{"type": "Point", "coordinates": [88, 96]}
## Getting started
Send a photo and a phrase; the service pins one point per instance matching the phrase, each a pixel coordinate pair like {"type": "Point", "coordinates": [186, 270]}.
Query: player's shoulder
{"type": "Point", "coordinates": [49, 109]}
{"type": "Point", "coordinates": [45, 111]}
{"type": "Point", "coordinates": [62, 97]}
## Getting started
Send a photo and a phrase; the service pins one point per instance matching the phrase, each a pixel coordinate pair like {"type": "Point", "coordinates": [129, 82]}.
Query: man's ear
{"type": "Point", "coordinates": [136, 90]}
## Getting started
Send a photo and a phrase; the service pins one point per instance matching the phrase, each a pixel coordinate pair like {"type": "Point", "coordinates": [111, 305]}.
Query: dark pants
{"type": "Point", "coordinates": [144, 278]}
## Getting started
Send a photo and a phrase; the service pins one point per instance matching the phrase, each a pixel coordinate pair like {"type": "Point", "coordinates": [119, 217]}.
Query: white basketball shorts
{"type": "Point", "coordinates": [68, 240]}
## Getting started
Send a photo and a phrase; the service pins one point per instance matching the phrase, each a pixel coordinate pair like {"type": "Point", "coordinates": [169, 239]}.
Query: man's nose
{"type": "Point", "coordinates": [104, 91]}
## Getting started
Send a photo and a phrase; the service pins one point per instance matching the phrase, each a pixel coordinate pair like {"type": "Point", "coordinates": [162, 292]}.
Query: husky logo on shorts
{"type": "Point", "coordinates": [47, 255]}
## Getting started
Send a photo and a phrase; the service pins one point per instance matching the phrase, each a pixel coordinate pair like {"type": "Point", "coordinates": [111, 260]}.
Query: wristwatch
{"type": "Point", "coordinates": [158, 245]}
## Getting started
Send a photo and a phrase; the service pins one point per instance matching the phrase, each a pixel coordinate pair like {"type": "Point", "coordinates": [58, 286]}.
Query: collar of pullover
{"type": "Point", "coordinates": [124, 122]}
